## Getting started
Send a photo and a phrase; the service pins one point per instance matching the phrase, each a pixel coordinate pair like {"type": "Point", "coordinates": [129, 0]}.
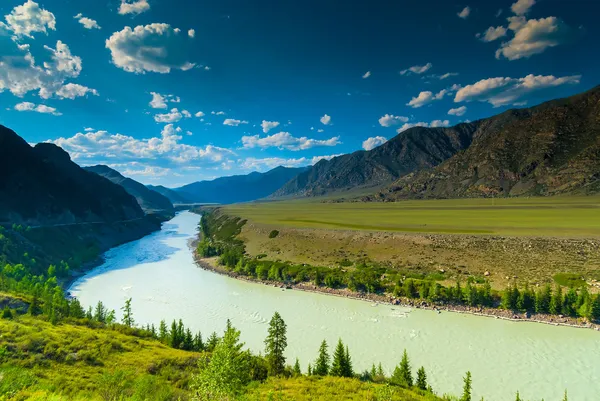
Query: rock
{"type": "Point", "coordinates": [486, 273]}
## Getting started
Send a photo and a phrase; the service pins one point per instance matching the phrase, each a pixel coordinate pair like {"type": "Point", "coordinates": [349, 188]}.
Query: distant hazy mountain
{"type": "Point", "coordinates": [550, 149]}
{"type": "Point", "coordinates": [414, 149]}
{"type": "Point", "coordinates": [173, 196]}
{"type": "Point", "coordinates": [41, 185]}
{"type": "Point", "coordinates": [149, 200]}
{"type": "Point", "coordinates": [239, 188]}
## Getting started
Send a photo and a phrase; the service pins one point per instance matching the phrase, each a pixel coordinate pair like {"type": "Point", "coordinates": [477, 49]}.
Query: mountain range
{"type": "Point", "coordinates": [150, 201]}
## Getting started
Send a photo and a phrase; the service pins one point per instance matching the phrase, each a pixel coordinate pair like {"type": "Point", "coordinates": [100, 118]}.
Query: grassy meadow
{"type": "Point", "coordinates": [558, 216]}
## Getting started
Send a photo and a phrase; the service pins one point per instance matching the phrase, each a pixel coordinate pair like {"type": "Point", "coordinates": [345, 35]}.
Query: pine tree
{"type": "Point", "coordinates": [100, 312]}
{"type": "Point", "coordinates": [373, 372]}
{"type": "Point", "coordinates": [275, 345]}
{"type": "Point", "coordinates": [594, 314]}
{"type": "Point", "coordinates": [34, 306]}
{"type": "Point", "coordinates": [421, 379]}
{"type": "Point", "coordinates": [570, 303]}
{"type": "Point", "coordinates": [163, 333]}
{"type": "Point", "coordinates": [402, 374]}
{"type": "Point", "coordinates": [188, 342]}
{"type": "Point", "coordinates": [337, 366]}
{"type": "Point", "coordinates": [542, 299]}
{"type": "Point", "coordinates": [297, 371]}
{"type": "Point", "coordinates": [321, 367]}
{"type": "Point", "coordinates": [565, 398]}
{"type": "Point", "coordinates": [212, 342]}
{"type": "Point", "coordinates": [556, 302]}
{"type": "Point", "coordinates": [309, 371]}
{"type": "Point", "coordinates": [518, 397]}
{"type": "Point", "coordinates": [198, 343]}
{"type": "Point", "coordinates": [111, 318]}
{"type": "Point", "coordinates": [348, 369]}
{"type": "Point", "coordinates": [466, 396]}
{"type": "Point", "coordinates": [127, 314]}
{"type": "Point", "coordinates": [380, 371]}
{"type": "Point", "coordinates": [6, 313]}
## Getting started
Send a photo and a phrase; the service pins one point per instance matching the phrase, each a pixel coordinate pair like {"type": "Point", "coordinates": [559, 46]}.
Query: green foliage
{"type": "Point", "coordinates": [273, 234]}
{"type": "Point", "coordinates": [421, 382]}
{"type": "Point", "coordinates": [321, 367]}
{"type": "Point", "coordinates": [569, 280]}
{"type": "Point", "coordinates": [127, 314]}
{"type": "Point", "coordinates": [275, 345]}
{"type": "Point", "coordinates": [402, 375]}
{"type": "Point", "coordinates": [467, 388]}
{"type": "Point", "coordinates": [342, 364]}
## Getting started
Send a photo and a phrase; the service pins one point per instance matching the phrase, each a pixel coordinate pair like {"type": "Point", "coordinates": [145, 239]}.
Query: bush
{"type": "Point", "coordinates": [273, 234]}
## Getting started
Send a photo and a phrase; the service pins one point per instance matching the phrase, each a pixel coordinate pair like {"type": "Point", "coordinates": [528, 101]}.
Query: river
{"type": "Point", "coordinates": [159, 273]}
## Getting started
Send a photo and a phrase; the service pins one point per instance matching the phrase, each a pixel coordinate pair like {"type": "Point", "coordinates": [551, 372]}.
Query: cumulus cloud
{"type": "Point", "coordinates": [522, 7]}
{"type": "Point", "coordinates": [417, 69]}
{"type": "Point", "coordinates": [433, 124]}
{"type": "Point", "coordinates": [446, 75]}
{"type": "Point", "coordinates": [28, 18]}
{"type": "Point", "coordinates": [503, 91]}
{"type": "Point", "coordinates": [150, 48]}
{"type": "Point", "coordinates": [366, 75]}
{"type": "Point", "coordinates": [160, 101]}
{"type": "Point", "coordinates": [426, 97]}
{"type": "Point", "coordinates": [285, 140]}
{"type": "Point", "coordinates": [492, 33]}
{"type": "Point", "coordinates": [532, 37]}
{"type": "Point", "coordinates": [268, 163]}
{"type": "Point", "coordinates": [390, 120]}
{"type": "Point", "coordinates": [325, 120]}
{"type": "Point", "coordinates": [40, 108]}
{"type": "Point", "coordinates": [233, 122]}
{"type": "Point", "coordinates": [172, 117]}
{"type": "Point", "coordinates": [87, 23]}
{"type": "Point", "coordinates": [373, 142]}
{"type": "Point", "coordinates": [269, 125]}
{"type": "Point", "coordinates": [217, 113]}
{"type": "Point", "coordinates": [460, 111]}
{"type": "Point", "coordinates": [464, 14]}
{"type": "Point", "coordinates": [148, 171]}
{"type": "Point", "coordinates": [133, 7]}
{"type": "Point", "coordinates": [199, 114]}
{"type": "Point", "coordinates": [192, 34]}
{"type": "Point", "coordinates": [72, 91]}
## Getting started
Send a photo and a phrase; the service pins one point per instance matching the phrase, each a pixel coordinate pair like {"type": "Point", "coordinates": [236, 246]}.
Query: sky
{"type": "Point", "coordinates": [171, 92]}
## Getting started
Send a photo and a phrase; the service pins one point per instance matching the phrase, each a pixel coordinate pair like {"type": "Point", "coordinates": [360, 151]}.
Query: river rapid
{"type": "Point", "coordinates": [158, 272]}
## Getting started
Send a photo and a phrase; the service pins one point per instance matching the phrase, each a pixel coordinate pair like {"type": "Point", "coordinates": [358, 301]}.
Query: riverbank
{"type": "Point", "coordinates": [211, 264]}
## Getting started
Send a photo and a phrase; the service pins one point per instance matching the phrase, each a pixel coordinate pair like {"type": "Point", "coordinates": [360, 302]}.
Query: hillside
{"type": "Point", "coordinates": [173, 196]}
{"type": "Point", "coordinates": [550, 149]}
{"type": "Point", "coordinates": [414, 149]}
{"type": "Point", "coordinates": [41, 185]}
{"type": "Point", "coordinates": [239, 188]}
{"type": "Point", "coordinates": [150, 201]}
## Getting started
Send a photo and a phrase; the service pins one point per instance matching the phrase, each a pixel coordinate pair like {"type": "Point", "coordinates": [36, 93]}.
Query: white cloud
{"type": "Point", "coordinates": [325, 120]}
{"type": "Point", "coordinates": [367, 75]}
{"type": "Point", "coordinates": [150, 48]}
{"type": "Point", "coordinates": [253, 163]}
{"type": "Point", "coordinates": [192, 33]}
{"type": "Point", "coordinates": [433, 124]}
{"type": "Point", "coordinates": [87, 23]}
{"type": "Point", "coordinates": [446, 75]}
{"type": "Point", "coordinates": [218, 113]}
{"type": "Point", "coordinates": [233, 122]}
{"type": "Point", "coordinates": [464, 14]}
{"type": "Point", "coordinates": [64, 61]}
{"type": "Point", "coordinates": [27, 19]}
{"type": "Point", "coordinates": [133, 7]}
{"type": "Point", "coordinates": [199, 114]}
{"type": "Point", "coordinates": [186, 114]}
{"type": "Point", "coordinates": [89, 129]}
{"type": "Point", "coordinates": [72, 91]}
{"type": "Point", "coordinates": [269, 125]}
{"type": "Point", "coordinates": [148, 171]}
{"type": "Point", "coordinates": [160, 101]}
{"type": "Point", "coordinates": [417, 69]}
{"type": "Point", "coordinates": [172, 117]}
{"type": "Point", "coordinates": [373, 142]}
{"type": "Point", "coordinates": [40, 108]}
{"type": "Point", "coordinates": [390, 120]}
{"type": "Point", "coordinates": [522, 7]}
{"type": "Point", "coordinates": [532, 37]}
{"type": "Point", "coordinates": [492, 34]}
{"type": "Point", "coordinates": [460, 111]}
{"type": "Point", "coordinates": [426, 97]}
{"type": "Point", "coordinates": [503, 91]}
{"type": "Point", "coordinates": [285, 140]}
{"type": "Point", "coordinates": [103, 147]}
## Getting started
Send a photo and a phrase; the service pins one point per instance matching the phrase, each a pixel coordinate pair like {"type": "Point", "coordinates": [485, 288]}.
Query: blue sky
{"type": "Point", "coordinates": [170, 92]}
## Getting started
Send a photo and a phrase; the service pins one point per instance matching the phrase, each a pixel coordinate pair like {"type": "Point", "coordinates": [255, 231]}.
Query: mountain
{"type": "Point", "coordinates": [41, 185]}
{"type": "Point", "coordinates": [414, 149]}
{"type": "Point", "coordinates": [173, 196]}
{"type": "Point", "coordinates": [239, 188]}
{"type": "Point", "coordinates": [149, 200]}
{"type": "Point", "coordinates": [550, 149]}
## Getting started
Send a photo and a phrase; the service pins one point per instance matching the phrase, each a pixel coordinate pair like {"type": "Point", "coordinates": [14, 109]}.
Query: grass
{"type": "Point", "coordinates": [558, 216]}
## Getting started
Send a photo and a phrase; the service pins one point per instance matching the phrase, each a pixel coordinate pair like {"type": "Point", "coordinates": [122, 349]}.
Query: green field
{"type": "Point", "coordinates": [557, 216]}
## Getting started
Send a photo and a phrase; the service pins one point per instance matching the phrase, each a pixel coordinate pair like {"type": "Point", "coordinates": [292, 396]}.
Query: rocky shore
{"type": "Point", "coordinates": [210, 264]}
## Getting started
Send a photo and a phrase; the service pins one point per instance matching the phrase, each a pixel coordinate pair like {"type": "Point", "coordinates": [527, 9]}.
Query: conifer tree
{"type": "Point", "coordinates": [380, 371]}
{"type": "Point", "coordinates": [373, 372]}
{"type": "Point", "coordinates": [466, 396]}
{"type": "Point", "coordinates": [100, 313]}
{"type": "Point", "coordinates": [337, 366]}
{"type": "Point", "coordinates": [127, 314]}
{"type": "Point", "coordinates": [297, 371]}
{"type": "Point", "coordinates": [542, 299]}
{"type": "Point", "coordinates": [348, 369]}
{"type": "Point", "coordinates": [34, 306]}
{"type": "Point", "coordinates": [402, 374]}
{"type": "Point", "coordinates": [321, 367]}
{"type": "Point", "coordinates": [594, 314]}
{"type": "Point", "coordinates": [111, 317]}
{"type": "Point", "coordinates": [421, 379]}
{"type": "Point", "coordinates": [212, 342]}
{"type": "Point", "coordinates": [518, 397]}
{"type": "Point", "coordinates": [309, 371]}
{"type": "Point", "coordinates": [163, 332]}
{"type": "Point", "coordinates": [188, 342]}
{"type": "Point", "coordinates": [198, 343]}
{"type": "Point", "coordinates": [275, 345]}
{"type": "Point", "coordinates": [570, 303]}
{"type": "Point", "coordinates": [556, 302]}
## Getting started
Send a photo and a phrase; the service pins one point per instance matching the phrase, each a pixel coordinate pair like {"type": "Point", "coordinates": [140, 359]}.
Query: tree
{"type": "Point", "coordinates": [321, 367]}
{"type": "Point", "coordinates": [556, 302]}
{"type": "Point", "coordinates": [163, 332]}
{"type": "Point", "coordinates": [212, 342]}
{"type": "Point", "coordinates": [275, 345]}
{"type": "Point", "coordinates": [466, 396]}
{"type": "Point", "coordinates": [198, 343]}
{"type": "Point", "coordinates": [6, 313]}
{"type": "Point", "coordinates": [127, 319]}
{"type": "Point", "coordinates": [348, 369]}
{"type": "Point", "coordinates": [224, 375]}
{"type": "Point", "coordinates": [380, 371]}
{"type": "Point", "coordinates": [297, 371]}
{"type": "Point", "coordinates": [542, 300]}
{"type": "Point", "coordinates": [337, 366]}
{"type": "Point", "coordinates": [188, 340]}
{"type": "Point", "coordinates": [34, 306]}
{"type": "Point", "coordinates": [100, 312]}
{"type": "Point", "coordinates": [570, 303]}
{"type": "Point", "coordinates": [594, 313]}
{"type": "Point", "coordinates": [421, 379]}
{"type": "Point", "coordinates": [402, 374]}
{"type": "Point", "coordinates": [565, 398]}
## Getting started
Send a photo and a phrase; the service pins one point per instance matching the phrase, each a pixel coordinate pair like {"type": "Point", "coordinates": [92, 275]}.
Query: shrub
{"type": "Point", "coordinates": [273, 234]}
